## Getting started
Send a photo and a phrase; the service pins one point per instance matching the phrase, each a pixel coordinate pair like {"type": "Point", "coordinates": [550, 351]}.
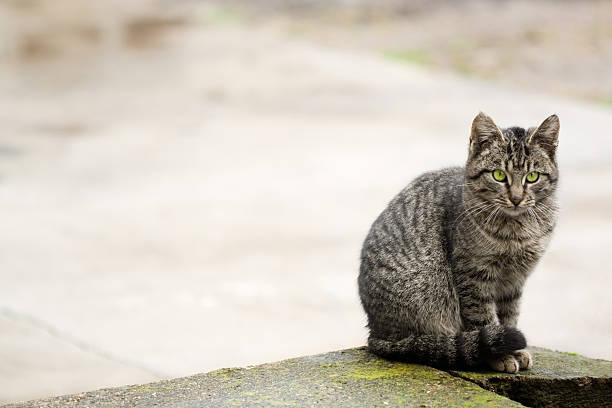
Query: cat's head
{"type": "Point", "coordinates": [512, 168]}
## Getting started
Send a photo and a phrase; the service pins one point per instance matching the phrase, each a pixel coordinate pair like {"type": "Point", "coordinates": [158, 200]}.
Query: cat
{"type": "Point", "coordinates": [443, 266]}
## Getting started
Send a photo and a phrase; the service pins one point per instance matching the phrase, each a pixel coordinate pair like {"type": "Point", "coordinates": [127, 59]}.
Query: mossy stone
{"type": "Point", "coordinates": [557, 379]}
{"type": "Point", "coordinates": [356, 378]}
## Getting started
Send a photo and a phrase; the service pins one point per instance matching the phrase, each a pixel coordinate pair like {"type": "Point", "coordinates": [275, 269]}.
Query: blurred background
{"type": "Point", "coordinates": [185, 185]}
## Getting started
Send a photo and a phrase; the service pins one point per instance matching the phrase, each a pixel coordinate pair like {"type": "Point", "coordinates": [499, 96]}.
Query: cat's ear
{"type": "Point", "coordinates": [484, 133]}
{"type": "Point", "coordinates": [546, 135]}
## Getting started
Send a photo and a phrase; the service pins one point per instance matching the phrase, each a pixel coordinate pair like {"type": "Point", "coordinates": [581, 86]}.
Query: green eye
{"type": "Point", "coordinates": [499, 175]}
{"type": "Point", "coordinates": [533, 176]}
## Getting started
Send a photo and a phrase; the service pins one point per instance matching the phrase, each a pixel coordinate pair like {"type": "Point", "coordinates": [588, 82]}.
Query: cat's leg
{"type": "Point", "coordinates": [475, 291]}
{"type": "Point", "coordinates": [508, 307]}
{"type": "Point", "coordinates": [507, 313]}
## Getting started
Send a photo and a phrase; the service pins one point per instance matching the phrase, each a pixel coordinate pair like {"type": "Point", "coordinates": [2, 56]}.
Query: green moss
{"type": "Point", "coordinates": [370, 373]}
{"type": "Point", "coordinates": [415, 56]}
{"type": "Point", "coordinates": [145, 388]}
{"type": "Point", "coordinates": [267, 400]}
{"type": "Point", "coordinates": [220, 16]}
{"type": "Point", "coordinates": [606, 101]}
{"type": "Point", "coordinates": [357, 378]}
{"type": "Point", "coordinates": [224, 371]}
{"type": "Point", "coordinates": [558, 378]}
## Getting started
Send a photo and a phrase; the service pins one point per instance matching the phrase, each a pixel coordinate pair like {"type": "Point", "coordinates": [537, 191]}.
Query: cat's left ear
{"type": "Point", "coordinates": [546, 135]}
{"type": "Point", "coordinates": [484, 134]}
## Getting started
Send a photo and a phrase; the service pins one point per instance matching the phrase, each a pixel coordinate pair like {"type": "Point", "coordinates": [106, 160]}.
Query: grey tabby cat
{"type": "Point", "coordinates": [443, 266]}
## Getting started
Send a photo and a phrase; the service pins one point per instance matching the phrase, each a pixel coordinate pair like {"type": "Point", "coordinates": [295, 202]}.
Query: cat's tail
{"type": "Point", "coordinates": [463, 349]}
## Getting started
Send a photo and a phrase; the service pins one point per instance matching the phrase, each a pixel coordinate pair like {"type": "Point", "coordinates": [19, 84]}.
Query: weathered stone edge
{"type": "Point", "coordinates": [559, 379]}
{"type": "Point", "coordinates": [344, 378]}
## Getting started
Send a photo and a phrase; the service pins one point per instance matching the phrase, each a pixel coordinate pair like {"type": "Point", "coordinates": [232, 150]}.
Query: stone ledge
{"type": "Point", "coordinates": [556, 380]}
{"type": "Point", "coordinates": [356, 378]}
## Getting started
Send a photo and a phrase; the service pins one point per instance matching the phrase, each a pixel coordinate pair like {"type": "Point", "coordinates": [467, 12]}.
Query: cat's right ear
{"type": "Point", "coordinates": [546, 135]}
{"type": "Point", "coordinates": [484, 133]}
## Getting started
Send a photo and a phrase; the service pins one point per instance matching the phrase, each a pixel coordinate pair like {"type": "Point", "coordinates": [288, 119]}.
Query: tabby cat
{"type": "Point", "coordinates": [443, 266]}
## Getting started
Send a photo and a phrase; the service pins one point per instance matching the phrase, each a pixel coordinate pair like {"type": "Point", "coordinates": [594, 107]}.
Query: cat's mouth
{"type": "Point", "coordinates": [514, 211]}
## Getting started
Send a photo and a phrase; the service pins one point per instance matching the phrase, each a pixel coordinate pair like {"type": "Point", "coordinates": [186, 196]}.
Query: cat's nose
{"type": "Point", "coordinates": [516, 199]}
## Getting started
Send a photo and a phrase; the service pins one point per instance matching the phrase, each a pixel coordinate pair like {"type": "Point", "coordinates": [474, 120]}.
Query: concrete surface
{"type": "Point", "coordinates": [32, 351]}
{"type": "Point", "coordinates": [557, 379]}
{"type": "Point", "coordinates": [356, 378]}
{"type": "Point", "coordinates": [178, 208]}
{"type": "Point", "coordinates": [348, 378]}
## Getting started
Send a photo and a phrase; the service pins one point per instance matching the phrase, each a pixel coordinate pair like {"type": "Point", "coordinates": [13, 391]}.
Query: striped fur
{"type": "Point", "coordinates": [443, 266]}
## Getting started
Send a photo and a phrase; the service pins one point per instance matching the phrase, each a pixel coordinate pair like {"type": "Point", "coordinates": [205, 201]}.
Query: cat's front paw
{"type": "Point", "coordinates": [524, 359]}
{"type": "Point", "coordinates": [506, 363]}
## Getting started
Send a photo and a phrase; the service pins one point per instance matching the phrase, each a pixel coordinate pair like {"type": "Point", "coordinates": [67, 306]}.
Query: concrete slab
{"type": "Point", "coordinates": [557, 379]}
{"type": "Point", "coordinates": [357, 378]}
{"type": "Point", "coordinates": [347, 378]}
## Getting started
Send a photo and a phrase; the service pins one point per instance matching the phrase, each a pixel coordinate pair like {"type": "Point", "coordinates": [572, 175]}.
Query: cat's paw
{"type": "Point", "coordinates": [506, 363]}
{"type": "Point", "coordinates": [524, 359]}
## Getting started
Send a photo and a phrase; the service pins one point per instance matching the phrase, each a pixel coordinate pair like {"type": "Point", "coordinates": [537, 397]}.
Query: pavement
{"type": "Point", "coordinates": [177, 208]}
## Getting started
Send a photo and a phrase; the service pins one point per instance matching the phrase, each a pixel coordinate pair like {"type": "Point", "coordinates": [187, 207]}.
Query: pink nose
{"type": "Point", "coordinates": [516, 199]}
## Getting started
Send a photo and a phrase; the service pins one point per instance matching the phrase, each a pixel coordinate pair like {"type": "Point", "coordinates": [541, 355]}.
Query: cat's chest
{"type": "Point", "coordinates": [512, 261]}
{"type": "Point", "coordinates": [501, 274]}
{"type": "Point", "coordinates": [499, 265]}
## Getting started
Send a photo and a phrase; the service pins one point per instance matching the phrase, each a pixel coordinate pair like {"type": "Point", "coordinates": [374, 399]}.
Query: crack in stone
{"type": "Point", "coordinates": [548, 392]}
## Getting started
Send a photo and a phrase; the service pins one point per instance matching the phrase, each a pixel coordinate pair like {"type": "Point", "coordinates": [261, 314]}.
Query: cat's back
{"type": "Point", "coordinates": [433, 189]}
{"type": "Point", "coordinates": [405, 259]}
{"type": "Point", "coordinates": [414, 222]}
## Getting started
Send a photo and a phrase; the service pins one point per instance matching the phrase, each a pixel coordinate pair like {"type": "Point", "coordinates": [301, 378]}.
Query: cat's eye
{"type": "Point", "coordinates": [533, 176]}
{"type": "Point", "coordinates": [499, 175]}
